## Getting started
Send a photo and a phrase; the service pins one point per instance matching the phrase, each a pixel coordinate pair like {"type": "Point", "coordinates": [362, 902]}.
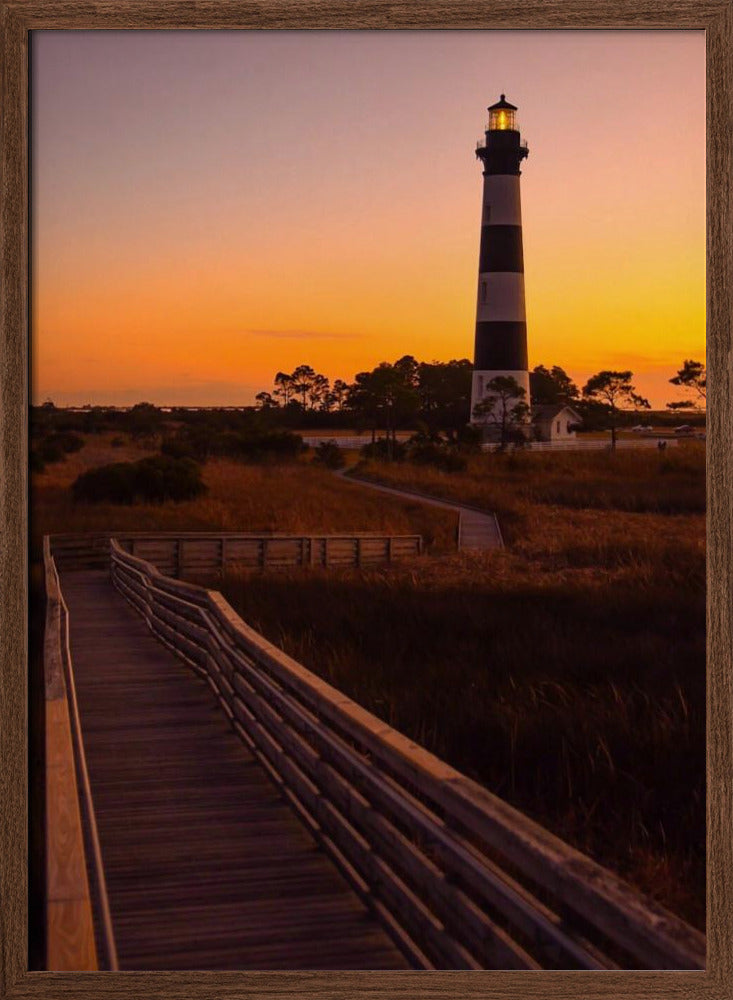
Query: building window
{"type": "Point", "coordinates": [558, 427]}
{"type": "Point", "coordinates": [483, 291]}
{"type": "Point", "coordinates": [480, 385]}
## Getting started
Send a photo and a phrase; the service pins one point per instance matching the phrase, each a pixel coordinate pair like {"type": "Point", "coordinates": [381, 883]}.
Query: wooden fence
{"type": "Point", "coordinates": [72, 844]}
{"type": "Point", "coordinates": [459, 878]}
{"type": "Point", "coordinates": [200, 553]}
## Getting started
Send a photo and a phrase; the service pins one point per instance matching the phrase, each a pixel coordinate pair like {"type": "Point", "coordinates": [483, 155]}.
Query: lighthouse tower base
{"type": "Point", "coordinates": [490, 423]}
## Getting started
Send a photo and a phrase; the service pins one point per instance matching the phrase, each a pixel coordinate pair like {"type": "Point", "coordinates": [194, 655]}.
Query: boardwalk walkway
{"type": "Point", "coordinates": [477, 530]}
{"type": "Point", "coordinates": [207, 867]}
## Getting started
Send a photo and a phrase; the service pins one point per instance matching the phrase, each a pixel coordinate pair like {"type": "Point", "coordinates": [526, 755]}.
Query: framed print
{"type": "Point", "coordinates": [365, 547]}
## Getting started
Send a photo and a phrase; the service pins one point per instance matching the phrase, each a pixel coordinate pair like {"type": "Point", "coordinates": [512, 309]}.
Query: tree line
{"type": "Point", "coordinates": [436, 397]}
{"type": "Point", "coordinates": [433, 398]}
{"type": "Point", "coordinates": [604, 400]}
{"type": "Point", "coordinates": [390, 396]}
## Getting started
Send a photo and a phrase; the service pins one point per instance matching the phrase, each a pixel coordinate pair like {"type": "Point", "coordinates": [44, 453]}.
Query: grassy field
{"type": "Point", "coordinates": [567, 673]}
{"type": "Point", "coordinates": [297, 497]}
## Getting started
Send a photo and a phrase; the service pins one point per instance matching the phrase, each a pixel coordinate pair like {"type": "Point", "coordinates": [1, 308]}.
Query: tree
{"type": "Point", "coordinates": [265, 401]}
{"type": "Point", "coordinates": [551, 386]}
{"type": "Point", "coordinates": [444, 389]}
{"type": "Point", "coordinates": [283, 387]}
{"type": "Point", "coordinates": [302, 381]}
{"type": "Point", "coordinates": [144, 420]}
{"type": "Point", "coordinates": [339, 392]}
{"type": "Point", "coordinates": [318, 392]}
{"type": "Point", "coordinates": [693, 377]}
{"type": "Point", "coordinates": [614, 389]}
{"type": "Point", "coordinates": [505, 407]}
{"type": "Point", "coordinates": [406, 370]}
{"type": "Point", "coordinates": [385, 395]}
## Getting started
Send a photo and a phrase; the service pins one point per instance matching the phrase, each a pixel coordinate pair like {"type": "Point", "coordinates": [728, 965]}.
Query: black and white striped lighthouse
{"type": "Point", "coordinates": [501, 325]}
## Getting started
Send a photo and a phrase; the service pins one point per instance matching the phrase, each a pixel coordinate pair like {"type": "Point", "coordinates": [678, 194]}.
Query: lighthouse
{"type": "Point", "coordinates": [501, 325]}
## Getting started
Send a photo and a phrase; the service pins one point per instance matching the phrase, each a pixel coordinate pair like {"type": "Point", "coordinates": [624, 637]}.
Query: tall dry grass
{"type": "Point", "coordinates": [297, 497]}
{"type": "Point", "coordinates": [567, 673]}
{"type": "Point", "coordinates": [513, 484]}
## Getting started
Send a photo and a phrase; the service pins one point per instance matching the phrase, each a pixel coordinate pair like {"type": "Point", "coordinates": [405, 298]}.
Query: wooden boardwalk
{"type": "Point", "coordinates": [478, 530]}
{"type": "Point", "coordinates": [207, 866]}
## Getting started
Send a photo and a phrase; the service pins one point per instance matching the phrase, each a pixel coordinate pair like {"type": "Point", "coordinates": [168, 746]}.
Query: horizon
{"type": "Point", "coordinates": [243, 202]}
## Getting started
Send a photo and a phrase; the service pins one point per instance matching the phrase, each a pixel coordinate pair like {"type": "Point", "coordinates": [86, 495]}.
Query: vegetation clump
{"type": "Point", "coordinates": [247, 444]}
{"type": "Point", "coordinates": [267, 447]}
{"type": "Point", "coordinates": [438, 454]}
{"type": "Point", "coordinates": [151, 480]}
{"type": "Point", "coordinates": [329, 454]}
{"type": "Point", "coordinates": [54, 447]}
{"type": "Point", "coordinates": [385, 449]}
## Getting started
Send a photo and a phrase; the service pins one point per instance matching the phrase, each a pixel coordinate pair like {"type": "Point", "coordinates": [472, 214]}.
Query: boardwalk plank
{"type": "Point", "coordinates": [207, 866]}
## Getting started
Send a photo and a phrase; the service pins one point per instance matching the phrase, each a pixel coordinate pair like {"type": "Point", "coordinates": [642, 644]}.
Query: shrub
{"type": "Point", "coordinates": [329, 454]}
{"type": "Point", "coordinates": [273, 446]}
{"type": "Point", "coordinates": [54, 446]}
{"type": "Point", "coordinates": [178, 446]}
{"type": "Point", "coordinates": [151, 480]}
{"type": "Point", "coordinates": [35, 462]}
{"type": "Point", "coordinates": [469, 438]}
{"type": "Point", "coordinates": [385, 450]}
{"type": "Point", "coordinates": [50, 451]}
{"type": "Point", "coordinates": [68, 441]}
{"type": "Point", "coordinates": [439, 456]}
{"type": "Point", "coordinates": [108, 483]}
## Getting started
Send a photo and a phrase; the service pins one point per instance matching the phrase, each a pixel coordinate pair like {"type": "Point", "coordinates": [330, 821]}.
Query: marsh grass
{"type": "Point", "coordinates": [514, 484]}
{"type": "Point", "coordinates": [293, 497]}
{"type": "Point", "coordinates": [566, 673]}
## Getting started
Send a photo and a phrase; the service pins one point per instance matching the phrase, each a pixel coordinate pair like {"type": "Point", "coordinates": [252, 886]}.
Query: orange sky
{"type": "Point", "coordinates": [209, 208]}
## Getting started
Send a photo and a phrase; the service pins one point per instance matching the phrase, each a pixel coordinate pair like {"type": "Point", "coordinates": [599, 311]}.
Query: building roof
{"type": "Point", "coordinates": [502, 104]}
{"type": "Point", "coordinates": [548, 411]}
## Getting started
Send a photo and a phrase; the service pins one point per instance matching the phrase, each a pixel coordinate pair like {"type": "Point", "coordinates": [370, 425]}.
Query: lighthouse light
{"type": "Point", "coordinates": [501, 119]}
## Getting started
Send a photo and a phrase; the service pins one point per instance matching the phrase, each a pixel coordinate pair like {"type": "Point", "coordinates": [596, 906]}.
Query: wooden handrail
{"type": "Point", "coordinates": [466, 880]}
{"type": "Point", "coordinates": [205, 552]}
{"type": "Point", "coordinates": [70, 820]}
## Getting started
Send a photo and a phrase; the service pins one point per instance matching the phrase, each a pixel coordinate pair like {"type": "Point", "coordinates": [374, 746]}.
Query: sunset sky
{"type": "Point", "coordinates": [212, 207]}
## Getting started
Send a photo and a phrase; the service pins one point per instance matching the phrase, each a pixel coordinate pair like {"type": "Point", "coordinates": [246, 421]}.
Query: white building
{"type": "Point", "coordinates": [554, 422]}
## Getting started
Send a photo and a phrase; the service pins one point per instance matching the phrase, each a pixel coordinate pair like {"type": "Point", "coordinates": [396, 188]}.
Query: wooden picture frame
{"type": "Point", "coordinates": [19, 17]}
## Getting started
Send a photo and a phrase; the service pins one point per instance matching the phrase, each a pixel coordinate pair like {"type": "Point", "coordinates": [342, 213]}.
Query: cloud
{"type": "Point", "coordinates": [302, 335]}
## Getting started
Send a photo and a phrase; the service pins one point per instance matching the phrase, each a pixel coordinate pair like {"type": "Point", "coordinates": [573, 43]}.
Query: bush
{"type": "Point", "coordinates": [67, 441]}
{"type": "Point", "coordinates": [273, 446]}
{"type": "Point", "coordinates": [329, 454]}
{"type": "Point", "coordinates": [439, 456]}
{"type": "Point", "coordinates": [50, 451]}
{"type": "Point", "coordinates": [179, 446]}
{"type": "Point", "coordinates": [470, 438]}
{"type": "Point", "coordinates": [53, 447]}
{"type": "Point", "coordinates": [151, 480]}
{"type": "Point", "coordinates": [35, 462]}
{"type": "Point", "coordinates": [385, 451]}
